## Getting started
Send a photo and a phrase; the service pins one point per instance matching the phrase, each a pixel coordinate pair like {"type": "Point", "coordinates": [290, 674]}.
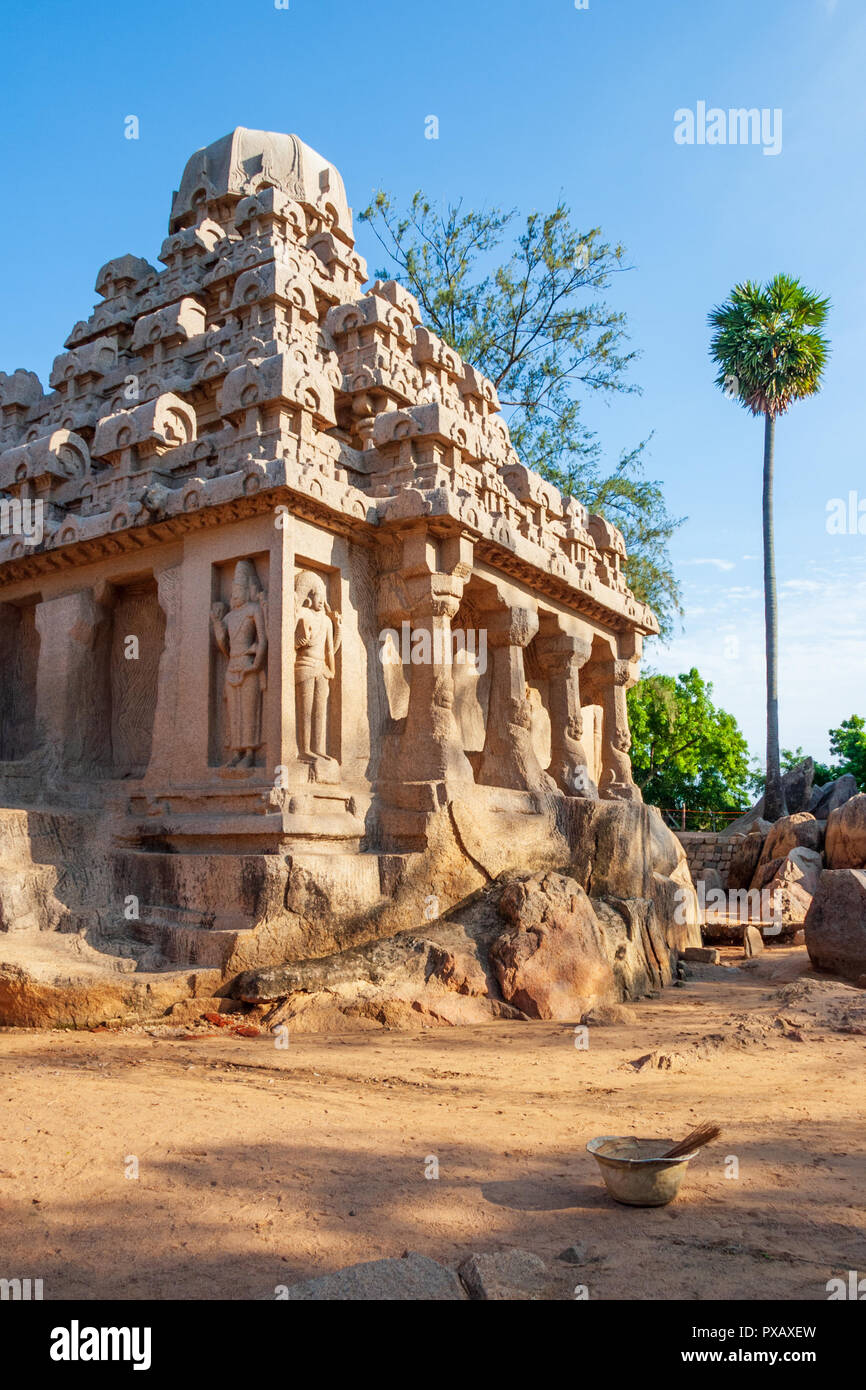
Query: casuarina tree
{"type": "Point", "coordinates": [530, 312]}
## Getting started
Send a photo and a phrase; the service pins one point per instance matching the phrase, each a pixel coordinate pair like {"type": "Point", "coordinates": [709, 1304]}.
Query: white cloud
{"type": "Point", "coordinates": [810, 586]}
{"type": "Point", "coordinates": [706, 560]}
{"type": "Point", "coordinates": [822, 646]}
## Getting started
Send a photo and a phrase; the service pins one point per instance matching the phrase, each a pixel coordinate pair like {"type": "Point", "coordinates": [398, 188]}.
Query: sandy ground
{"type": "Point", "coordinates": [259, 1166]}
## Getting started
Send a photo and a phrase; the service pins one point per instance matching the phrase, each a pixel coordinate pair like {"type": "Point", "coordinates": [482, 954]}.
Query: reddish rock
{"type": "Point", "coordinates": [551, 962]}
{"type": "Point", "coordinates": [744, 860]}
{"type": "Point", "coordinates": [788, 884]}
{"type": "Point", "coordinates": [846, 835]}
{"type": "Point", "coordinates": [791, 831]}
{"type": "Point", "coordinates": [458, 970]}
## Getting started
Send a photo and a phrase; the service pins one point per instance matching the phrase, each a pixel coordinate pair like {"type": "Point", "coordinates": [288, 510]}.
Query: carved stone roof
{"type": "Point", "coordinates": [245, 161]}
{"type": "Point", "coordinates": [256, 363]}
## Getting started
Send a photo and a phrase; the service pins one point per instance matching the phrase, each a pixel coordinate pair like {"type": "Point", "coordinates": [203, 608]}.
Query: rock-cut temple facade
{"type": "Point", "coordinates": [295, 643]}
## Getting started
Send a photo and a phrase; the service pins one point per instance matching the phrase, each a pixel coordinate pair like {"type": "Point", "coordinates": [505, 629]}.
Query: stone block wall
{"type": "Point", "coordinates": [707, 850]}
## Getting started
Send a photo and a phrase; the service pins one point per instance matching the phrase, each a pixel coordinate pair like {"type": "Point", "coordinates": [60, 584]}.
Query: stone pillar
{"type": "Point", "coordinates": [432, 579]}
{"type": "Point", "coordinates": [561, 656]}
{"type": "Point", "coordinates": [431, 749]}
{"type": "Point", "coordinates": [164, 739]}
{"type": "Point", "coordinates": [616, 782]}
{"type": "Point", "coordinates": [73, 705]}
{"type": "Point", "coordinates": [508, 758]}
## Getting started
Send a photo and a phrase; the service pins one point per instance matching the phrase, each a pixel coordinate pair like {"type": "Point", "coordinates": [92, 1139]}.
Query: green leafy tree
{"type": "Point", "coordinates": [685, 751]}
{"type": "Point", "coordinates": [770, 352]}
{"type": "Point", "coordinates": [532, 318]}
{"type": "Point", "coordinates": [848, 747]}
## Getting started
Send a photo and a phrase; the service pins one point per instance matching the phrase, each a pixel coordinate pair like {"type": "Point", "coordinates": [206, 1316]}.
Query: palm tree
{"type": "Point", "coordinates": [768, 346]}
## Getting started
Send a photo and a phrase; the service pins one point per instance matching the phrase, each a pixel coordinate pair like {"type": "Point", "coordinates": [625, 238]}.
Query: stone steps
{"type": "Point", "coordinates": [250, 909]}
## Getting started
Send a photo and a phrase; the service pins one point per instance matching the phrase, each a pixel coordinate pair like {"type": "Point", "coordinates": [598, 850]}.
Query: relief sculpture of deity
{"type": "Point", "coordinates": [317, 641]}
{"type": "Point", "coordinates": [241, 635]}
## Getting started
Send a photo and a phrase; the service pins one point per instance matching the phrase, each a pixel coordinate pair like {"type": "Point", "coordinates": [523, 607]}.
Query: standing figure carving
{"type": "Point", "coordinates": [317, 641]}
{"type": "Point", "coordinates": [241, 635]}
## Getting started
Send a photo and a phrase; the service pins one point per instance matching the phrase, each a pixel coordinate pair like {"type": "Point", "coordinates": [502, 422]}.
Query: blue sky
{"type": "Point", "coordinates": [533, 99]}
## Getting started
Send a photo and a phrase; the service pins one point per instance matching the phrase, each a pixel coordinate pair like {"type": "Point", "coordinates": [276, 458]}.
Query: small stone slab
{"type": "Point", "coordinates": [725, 973]}
{"type": "Point", "coordinates": [573, 1255]}
{"type": "Point", "coordinates": [505, 1275]}
{"type": "Point", "coordinates": [413, 1277]}
{"type": "Point", "coordinates": [753, 942]}
{"type": "Point", "coordinates": [702, 955]}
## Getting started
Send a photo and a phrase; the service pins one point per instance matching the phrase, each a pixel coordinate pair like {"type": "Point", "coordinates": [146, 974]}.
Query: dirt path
{"type": "Point", "coordinates": [259, 1166]}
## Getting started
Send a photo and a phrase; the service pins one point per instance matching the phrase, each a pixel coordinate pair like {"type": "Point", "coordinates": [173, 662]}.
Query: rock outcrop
{"type": "Point", "coordinates": [551, 960]}
{"type": "Point", "coordinates": [828, 797]}
{"type": "Point", "coordinates": [789, 883]}
{"type": "Point", "coordinates": [799, 829]}
{"type": "Point", "coordinates": [744, 860]}
{"type": "Point", "coordinates": [836, 924]}
{"type": "Point", "coordinates": [529, 945]}
{"type": "Point", "coordinates": [846, 835]}
{"type": "Point", "coordinates": [797, 787]}
{"type": "Point", "coordinates": [776, 872]}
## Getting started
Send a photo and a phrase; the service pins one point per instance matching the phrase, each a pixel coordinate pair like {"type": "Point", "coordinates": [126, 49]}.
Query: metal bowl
{"type": "Point", "coordinates": [634, 1171]}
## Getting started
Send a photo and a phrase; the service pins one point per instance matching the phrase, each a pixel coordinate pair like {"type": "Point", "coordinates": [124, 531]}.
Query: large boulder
{"type": "Point", "coordinates": [800, 829]}
{"type": "Point", "coordinates": [789, 883]}
{"type": "Point", "coordinates": [551, 961]}
{"type": "Point", "coordinates": [613, 854]}
{"type": "Point", "coordinates": [551, 943]}
{"type": "Point", "coordinates": [797, 786]}
{"type": "Point", "coordinates": [637, 947]}
{"type": "Point", "coordinates": [833, 794]}
{"type": "Point", "coordinates": [619, 845]}
{"type": "Point", "coordinates": [836, 924]}
{"type": "Point", "coordinates": [846, 835]}
{"type": "Point", "coordinates": [744, 859]}
{"type": "Point", "coordinates": [677, 911]}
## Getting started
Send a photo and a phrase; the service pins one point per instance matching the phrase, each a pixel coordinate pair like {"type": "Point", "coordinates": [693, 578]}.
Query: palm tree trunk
{"type": "Point", "coordinates": [774, 797]}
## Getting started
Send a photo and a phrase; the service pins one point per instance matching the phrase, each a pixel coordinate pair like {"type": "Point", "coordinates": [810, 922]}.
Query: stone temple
{"type": "Point", "coordinates": [293, 644]}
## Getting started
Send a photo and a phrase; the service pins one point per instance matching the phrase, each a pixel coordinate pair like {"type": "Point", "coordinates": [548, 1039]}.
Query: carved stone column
{"type": "Point", "coordinates": [431, 747]}
{"type": "Point", "coordinates": [72, 696]}
{"type": "Point", "coordinates": [508, 758]}
{"type": "Point", "coordinates": [561, 656]}
{"type": "Point", "coordinates": [616, 782]}
{"type": "Point", "coordinates": [165, 715]}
